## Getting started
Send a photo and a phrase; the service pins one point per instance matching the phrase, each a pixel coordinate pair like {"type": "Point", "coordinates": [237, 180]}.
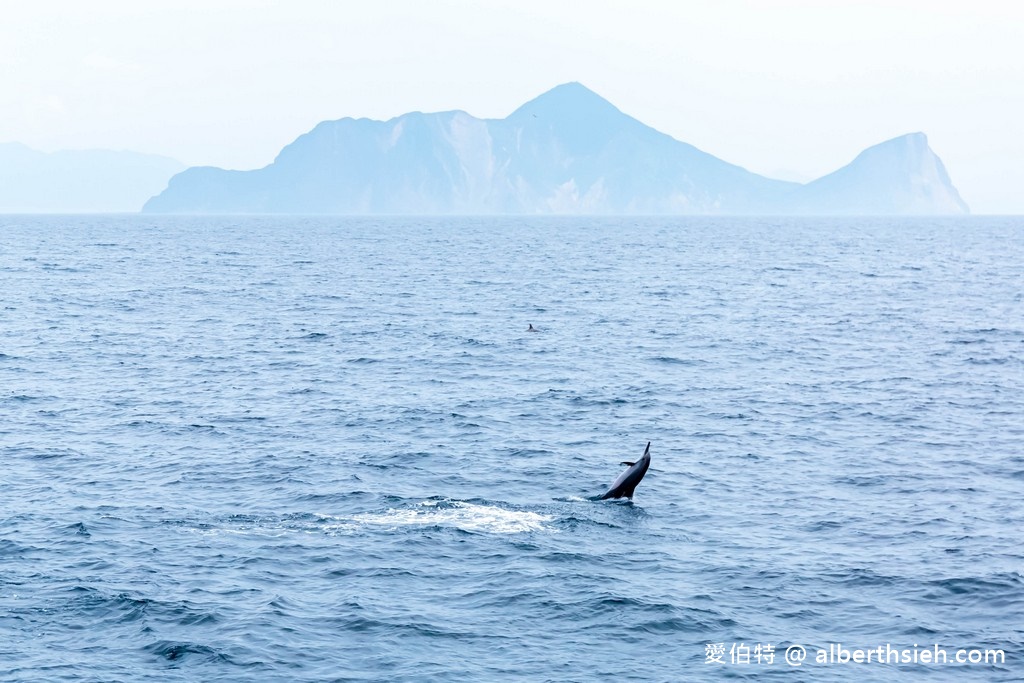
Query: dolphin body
{"type": "Point", "coordinates": [624, 486]}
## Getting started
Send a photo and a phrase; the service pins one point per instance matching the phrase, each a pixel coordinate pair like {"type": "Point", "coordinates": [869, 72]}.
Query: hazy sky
{"type": "Point", "coordinates": [790, 88]}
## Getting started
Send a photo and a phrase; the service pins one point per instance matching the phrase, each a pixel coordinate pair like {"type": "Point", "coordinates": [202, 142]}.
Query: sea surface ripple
{"type": "Point", "coordinates": [309, 449]}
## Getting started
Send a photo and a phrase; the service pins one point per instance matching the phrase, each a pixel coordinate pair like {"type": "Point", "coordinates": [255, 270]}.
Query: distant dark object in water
{"type": "Point", "coordinates": [531, 328]}
{"type": "Point", "coordinates": [624, 486]}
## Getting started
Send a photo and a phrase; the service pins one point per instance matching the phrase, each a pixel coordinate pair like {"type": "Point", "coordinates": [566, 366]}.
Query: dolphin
{"type": "Point", "coordinates": [624, 486]}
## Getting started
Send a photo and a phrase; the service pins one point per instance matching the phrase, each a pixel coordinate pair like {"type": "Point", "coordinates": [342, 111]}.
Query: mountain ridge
{"type": "Point", "coordinates": [568, 150]}
{"type": "Point", "coordinates": [906, 160]}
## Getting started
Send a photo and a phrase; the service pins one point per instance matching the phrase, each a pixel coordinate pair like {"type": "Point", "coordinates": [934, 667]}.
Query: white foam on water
{"type": "Point", "coordinates": [460, 515]}
{"type": "Point", "coordinates": [274, 531]}
{"type": "Point", "coordinates": [444, 513]}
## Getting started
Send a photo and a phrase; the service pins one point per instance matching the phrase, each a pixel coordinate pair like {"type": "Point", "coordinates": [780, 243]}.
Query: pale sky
{"type": "Point", "coordinates": [788, 88]}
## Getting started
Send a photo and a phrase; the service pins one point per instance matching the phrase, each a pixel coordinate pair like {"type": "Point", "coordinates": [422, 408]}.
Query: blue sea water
{"type": "Point", "coordinates": [312, 449]}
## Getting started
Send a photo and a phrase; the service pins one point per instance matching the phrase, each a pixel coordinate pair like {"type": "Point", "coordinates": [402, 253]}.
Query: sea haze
{"type": "Point", "coordinates": [305, 449]}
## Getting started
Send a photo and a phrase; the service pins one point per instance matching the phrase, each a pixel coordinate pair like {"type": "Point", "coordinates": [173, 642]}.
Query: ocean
{"type": "Point", "coordinates": [328, 449]}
